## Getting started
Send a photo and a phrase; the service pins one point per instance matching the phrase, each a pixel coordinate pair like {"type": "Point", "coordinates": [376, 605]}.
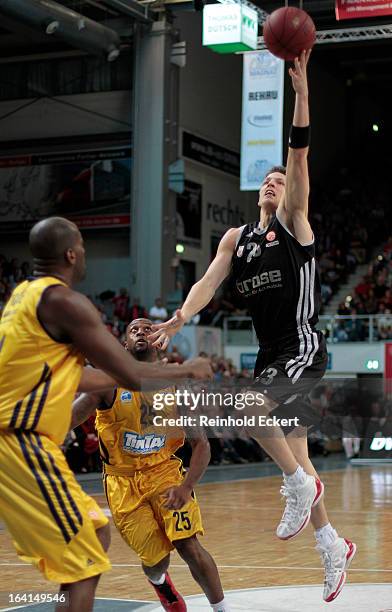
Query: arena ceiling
{"type": "Point", "coordinates": [372, 59]}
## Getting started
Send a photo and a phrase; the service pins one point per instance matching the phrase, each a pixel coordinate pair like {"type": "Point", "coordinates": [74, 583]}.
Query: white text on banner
{"type": "Point", "coordinates": [262, 117]}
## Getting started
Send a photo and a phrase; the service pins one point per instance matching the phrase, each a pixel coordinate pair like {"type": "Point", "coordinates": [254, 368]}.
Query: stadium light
{"type": "Point", "coordinates": [52, 26]}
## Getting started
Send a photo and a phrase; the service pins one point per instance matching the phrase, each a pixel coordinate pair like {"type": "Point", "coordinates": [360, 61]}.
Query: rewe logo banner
{"type": "Point", "coordinates": [354, 9]}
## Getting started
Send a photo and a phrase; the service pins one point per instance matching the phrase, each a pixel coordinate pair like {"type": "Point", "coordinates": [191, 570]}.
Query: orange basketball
{"type": "Point", "coordinates": [288, 31]}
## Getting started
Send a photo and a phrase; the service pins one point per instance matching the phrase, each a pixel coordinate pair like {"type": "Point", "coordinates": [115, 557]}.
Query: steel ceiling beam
{"type": "Point", "coordinates": [344, 35]}
{"type": "Point", "coordinates": [59, 21]}
{"type": "Point", "coordinates": [132, 8]}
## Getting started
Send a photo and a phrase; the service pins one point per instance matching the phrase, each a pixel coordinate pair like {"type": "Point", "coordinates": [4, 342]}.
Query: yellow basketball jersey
{"type": "Point", "coordinates": [38, 376]}
{"type": "Point", "coordinates": [128, 438]}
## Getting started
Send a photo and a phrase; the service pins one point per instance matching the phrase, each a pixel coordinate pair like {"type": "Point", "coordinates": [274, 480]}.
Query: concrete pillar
{"type": "Point", "coordinates": [154, 147]}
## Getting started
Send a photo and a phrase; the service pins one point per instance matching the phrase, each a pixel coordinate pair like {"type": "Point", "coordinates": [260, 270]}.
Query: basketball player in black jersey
{"type": "Point", "coordinates": [273, 265]}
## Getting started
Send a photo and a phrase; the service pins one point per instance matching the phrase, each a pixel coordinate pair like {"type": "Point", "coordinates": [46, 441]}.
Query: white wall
{"type": "Point", "coordinates": [108, 263]}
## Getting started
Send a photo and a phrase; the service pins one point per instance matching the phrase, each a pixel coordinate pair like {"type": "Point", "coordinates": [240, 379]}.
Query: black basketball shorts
{"type": "Point", "coordinates": [287, 371]}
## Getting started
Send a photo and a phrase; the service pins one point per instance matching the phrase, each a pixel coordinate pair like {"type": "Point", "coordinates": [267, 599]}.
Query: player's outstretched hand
{"type": "Point", "coordinates": [298, 73]}
{"type": "Point", "coordinates": [163, 332]}
{"type": "Point", "coordinates": [201, 368]}
{"type": "Point", "coordinates": [177, 497]}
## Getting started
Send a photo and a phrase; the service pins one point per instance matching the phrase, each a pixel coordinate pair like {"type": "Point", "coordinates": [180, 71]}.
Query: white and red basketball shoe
{"type": "Point", "coordinates": [169, 597]}
{"type": "Point", "coordinates": [336, 560]}
{"type": "Point", "coordinates": [300, 499]}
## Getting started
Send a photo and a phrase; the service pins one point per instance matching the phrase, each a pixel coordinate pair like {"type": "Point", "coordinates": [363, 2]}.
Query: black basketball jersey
{"type": "Point", "coordinates": [278, 280]}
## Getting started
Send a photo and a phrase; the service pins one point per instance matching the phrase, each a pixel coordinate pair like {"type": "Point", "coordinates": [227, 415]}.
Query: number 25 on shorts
{"type": "Point", "coordinates": [183, 522]}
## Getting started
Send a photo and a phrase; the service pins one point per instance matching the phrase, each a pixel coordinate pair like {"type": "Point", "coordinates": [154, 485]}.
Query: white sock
{"type": "Point", "coordinates": [296, 479]}
{"type": "Point", "coordinates": [222, 606]}
{"type": "Point", "coordinates": [326, 536]}
{"type": "Point", "coordinates": [160, 581]}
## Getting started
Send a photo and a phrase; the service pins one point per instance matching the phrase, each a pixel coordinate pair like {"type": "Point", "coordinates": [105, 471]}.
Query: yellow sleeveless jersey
{"type": "Point", "coordinates": [128, 438]}
{"type": "Point", "coordinates": [38, 376]}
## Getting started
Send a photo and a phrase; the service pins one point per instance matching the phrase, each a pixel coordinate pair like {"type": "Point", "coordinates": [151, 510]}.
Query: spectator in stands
{"type": "Point", "coordinates": [387, 300]}
{"type": "Point", "coordinates": [343, 309]}
{"type": "Point", "coordinates": [380, 287]}
{"type": "Point", "coordinates": [326, 291]}
{"type": "Point", "coordinates": [340, 334]}
{"type": "Point", "coordinates": [115, 327]}
{"type": "Point", "coordinates": [73, 449]}
{"type": "Point", "coordinates": [158, 312]}
{"type": "Point", "coordinates": [90, 446]}
{"type": "Point", "coordinates": [175, 356]}
{"type": "Point", "coordinates": [105, 304]}
{"type": "Point", "coordinates": [209, 313]}
{"type": "Point", "coordinates": [137, 311]}
{"type": "Point", "coordinates": [363, 287]}
{"type": "Point", "coordinates": [246, 374]}
{"type": "Point", "coordinates": [388, 246]}
{"type": "Point", "coordinates": [121, 304]}
{"type": "Point", "coordinates": [13, 272]}
{"type": "Point", "coordinates": [25, 270]}
{"type": "Point", "coordinates": [355, 327]}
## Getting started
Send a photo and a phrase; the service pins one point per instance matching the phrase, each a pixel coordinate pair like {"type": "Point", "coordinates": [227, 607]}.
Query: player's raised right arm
{"type": "Point", "coordinates": [202, 292]}
{"type": "Point", "coordinates": [69, 316]}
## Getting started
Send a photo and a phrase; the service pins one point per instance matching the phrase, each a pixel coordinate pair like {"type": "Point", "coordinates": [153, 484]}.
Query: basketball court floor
{"type": "Point", "coordinates": [241, 507]}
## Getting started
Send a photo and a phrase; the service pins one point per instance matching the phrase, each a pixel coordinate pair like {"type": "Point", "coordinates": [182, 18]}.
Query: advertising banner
{"type": "Point", "coordinates": [210, 154]}
{"type": "Point", "coordinates": [262, 117]}
{"type": "Point", "coordinates": [228, 28]}
{"type": "Point", "coordinates": [90, 187]}
{"type": "Point", "coordinates": [353, 9]}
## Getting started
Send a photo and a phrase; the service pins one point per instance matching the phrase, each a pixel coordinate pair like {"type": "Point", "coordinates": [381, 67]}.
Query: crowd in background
{"type": "Point", "coordinates": [12, 272]}
{"type": "Point", "coordinates": [345, 412]}
{"type": "Point", "coordinates": [350, 218]}
{"type": "Point", "coordinates": [372, 295]}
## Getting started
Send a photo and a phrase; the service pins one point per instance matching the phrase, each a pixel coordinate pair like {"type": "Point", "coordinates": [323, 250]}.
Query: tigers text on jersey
{"type": "Point", "coordinates": [278, 280]}
{"type": "Point", "coordinates": [38, 375]}
{"type": "Point", "coordinates": [128, 438]}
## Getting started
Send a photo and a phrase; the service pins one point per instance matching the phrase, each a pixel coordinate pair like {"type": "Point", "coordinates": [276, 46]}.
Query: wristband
{"type": "Point", "coordinates": [299, 137]}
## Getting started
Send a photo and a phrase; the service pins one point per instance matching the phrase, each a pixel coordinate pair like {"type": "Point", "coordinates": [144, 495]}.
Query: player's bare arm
{"type": "Point", "coordinates": [95, 380]}
{"type": "Point", "coordinates": [69, 316]}
{"type": "Point", "coordinates": [293, 210]}
{"type": "Point", "coordinates": [87, 403]}
{"type": "Point", "coordinates": [177, 497]}
{"type": "Point", "coordinates": [201, 293]}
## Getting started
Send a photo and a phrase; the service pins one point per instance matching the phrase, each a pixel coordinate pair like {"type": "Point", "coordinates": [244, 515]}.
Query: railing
{"type": "Point", "coordinates": [337, 328]}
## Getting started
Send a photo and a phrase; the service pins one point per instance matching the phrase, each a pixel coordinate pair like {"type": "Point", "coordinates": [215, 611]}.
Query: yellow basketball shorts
{"type": "Point", "coordinates": [137, 506]}
{"type": "Point", "coordinates": [51, 520]}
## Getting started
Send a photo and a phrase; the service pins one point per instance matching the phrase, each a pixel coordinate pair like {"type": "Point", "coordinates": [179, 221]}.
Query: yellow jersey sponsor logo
{"type": "Point", "coordinates": [143, 444]}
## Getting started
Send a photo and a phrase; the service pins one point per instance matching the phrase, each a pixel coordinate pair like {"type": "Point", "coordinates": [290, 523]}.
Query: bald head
{"type": "Point", "coordinates": [56, 243]}
{"type": "Point", "coordinates": [50, 238]}
{"type": "Point", "coordinates": [147, 322]}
